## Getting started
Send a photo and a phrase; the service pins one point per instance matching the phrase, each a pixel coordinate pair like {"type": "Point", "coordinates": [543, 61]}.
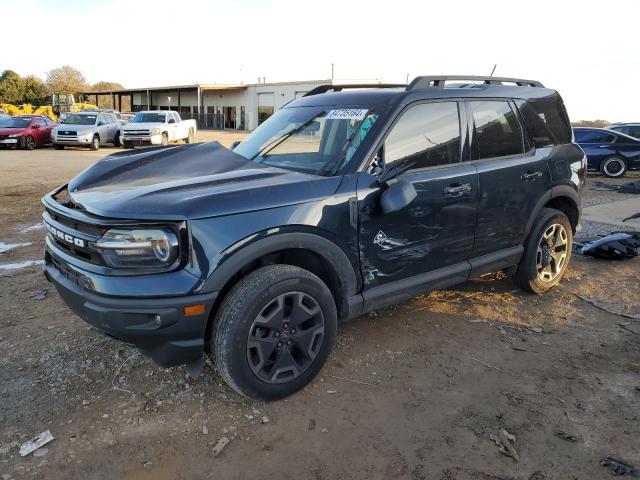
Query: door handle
{"type": "Point", "coordinates": [457, 189]}
{"type": "Point", "coordinates": [530, 176]}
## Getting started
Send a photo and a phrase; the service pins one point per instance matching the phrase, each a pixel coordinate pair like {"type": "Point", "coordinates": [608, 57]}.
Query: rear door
{"type": "Point", "coordinates": [435, 232]}
{"type": "Point", "coordinates": [513, 177]}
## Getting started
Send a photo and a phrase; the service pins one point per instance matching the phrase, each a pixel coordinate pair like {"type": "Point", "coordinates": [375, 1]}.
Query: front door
{"type": "Point", "coordinates": [512, 181]}
{"type": "Point", "coordinates": [435, 233]}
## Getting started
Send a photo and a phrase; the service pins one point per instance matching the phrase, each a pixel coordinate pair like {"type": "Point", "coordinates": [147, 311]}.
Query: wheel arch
{"type": "Point", "coordinates": [563, 198]}
{"type": "Point", "coordinates": [309, 251]}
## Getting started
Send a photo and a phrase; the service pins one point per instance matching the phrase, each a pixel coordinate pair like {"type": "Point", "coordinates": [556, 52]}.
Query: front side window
{"type": "Point", "coordinates": [426, 135]}
{"type": "Point", "coordinates": [316, 140]}
{"type": "Point", "coordinates": [497, 131]}
{"type": "Point", "coordinates": [593, 136]}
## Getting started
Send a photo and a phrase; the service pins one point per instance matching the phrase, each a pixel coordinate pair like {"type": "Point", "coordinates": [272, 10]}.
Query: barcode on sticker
{"type": "Point", "coordinates": [347, 114]}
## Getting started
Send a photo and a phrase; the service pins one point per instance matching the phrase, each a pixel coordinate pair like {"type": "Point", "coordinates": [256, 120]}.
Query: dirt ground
{"type": "Point", "coordinates": [415, 391]}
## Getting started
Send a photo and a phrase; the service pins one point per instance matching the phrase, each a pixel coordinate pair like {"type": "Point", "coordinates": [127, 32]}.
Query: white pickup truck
{"type": "Point", "coordinates": [157, 127]}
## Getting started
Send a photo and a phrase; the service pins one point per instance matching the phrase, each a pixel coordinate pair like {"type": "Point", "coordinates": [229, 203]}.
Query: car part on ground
{"type": "Point", "coordinates": [328, 210]}
{"type": "Point", "coordinates": [629, 187]}
{"type": "Point", "coordinates": [616, 246]}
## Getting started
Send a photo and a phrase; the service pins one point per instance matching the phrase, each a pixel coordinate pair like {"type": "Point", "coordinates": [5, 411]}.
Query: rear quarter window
{"type": "Point", "coordinates": [546, 120]}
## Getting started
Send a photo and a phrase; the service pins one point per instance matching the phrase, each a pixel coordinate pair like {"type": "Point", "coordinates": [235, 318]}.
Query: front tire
{"type": "Point", "coordinates": [189, 138]}
{"type": "Point", "coordinates": [547, 252]}
{"type": "Point", "coordinates": [274, 331]}
{"type": "Point", "coordinates": [613, 167]}
{"type": "Point", "coordinates": [165, 140]}
{"type": "Point", "coordinates": [29, 143]}
{"type": "Point", "coordinates": [116, 140]}
{"type": "Point", "coordinates": [95, 143]}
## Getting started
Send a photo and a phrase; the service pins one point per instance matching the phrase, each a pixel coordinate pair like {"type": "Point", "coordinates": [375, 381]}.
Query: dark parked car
{"type": "Point", "coordinates": [343, 201]}
{"type": "Point", "coordinates": [631, 129]}
{"type": "Point", "coordinates": [611, 153]}
{"type": "Point", "coordinates": [26, 131]}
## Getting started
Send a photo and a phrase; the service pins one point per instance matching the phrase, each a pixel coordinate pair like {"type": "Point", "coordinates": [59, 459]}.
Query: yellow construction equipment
{"type": "Point", "coordinates": [62, 103]}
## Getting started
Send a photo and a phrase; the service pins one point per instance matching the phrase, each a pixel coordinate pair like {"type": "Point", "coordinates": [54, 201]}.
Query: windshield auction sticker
{"type": "Point", "coordinates": [347, 114]}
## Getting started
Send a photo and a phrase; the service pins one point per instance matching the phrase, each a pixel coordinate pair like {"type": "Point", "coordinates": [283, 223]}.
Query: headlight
{"type": "Point", "coordinates": [155, 131]}
{"type": "Point", "coordinates": [15, 135]}
{"type": "Point", "coordinates": [152, 248]}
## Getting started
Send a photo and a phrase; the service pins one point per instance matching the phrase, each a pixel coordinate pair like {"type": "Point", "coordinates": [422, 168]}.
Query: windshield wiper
{"type": "Point", "coordinates": [395, 170]}
{"type": "Point", "coordinates": [274, 143]}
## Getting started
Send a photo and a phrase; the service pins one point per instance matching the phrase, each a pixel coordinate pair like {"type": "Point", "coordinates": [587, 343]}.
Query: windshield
{"type": "Point", "coordinates": [15, 122]}
{"type": "Point", "coordinates": [315, 140]}
{"type": "Point", "coordinates": [75, 119]}
{"type": "Point", "coordinates": [151, 117]}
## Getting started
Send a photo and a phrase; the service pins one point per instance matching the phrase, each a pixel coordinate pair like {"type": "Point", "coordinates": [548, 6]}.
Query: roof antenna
{"type": "Point", "coordinates": [494, 69]}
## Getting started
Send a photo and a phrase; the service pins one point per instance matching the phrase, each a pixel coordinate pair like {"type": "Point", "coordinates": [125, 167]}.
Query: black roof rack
{"type": "Point", "coordinates": [337, 88]}
{"type": "Point", "coordinates": [438, 81]}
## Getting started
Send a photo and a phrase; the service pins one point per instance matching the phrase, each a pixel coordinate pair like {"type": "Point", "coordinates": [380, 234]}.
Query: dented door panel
{"type": "Point", "coordinates": [436, 230]}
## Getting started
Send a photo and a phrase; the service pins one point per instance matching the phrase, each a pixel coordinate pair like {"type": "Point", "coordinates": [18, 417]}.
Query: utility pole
{"type": "Point", "coordinates": [407, 80]}
{"type": "Point", "coordinates": [332, 72]}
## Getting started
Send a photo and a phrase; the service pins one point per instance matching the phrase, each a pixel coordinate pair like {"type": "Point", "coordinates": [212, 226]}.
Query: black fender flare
{"type": "Point", "coordinates": [559, 191]}
{"type": "Point", "coordinates": [242, 254]}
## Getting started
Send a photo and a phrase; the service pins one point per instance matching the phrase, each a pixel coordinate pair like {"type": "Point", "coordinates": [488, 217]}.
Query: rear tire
{"type": "Point", "coordinates": [189, 138]}
{"type": "Point", "coordinates": [613, 167]}
{"type": "Point", "coordinates": [274, 331]}
{"type": "Point", "coordinates": [547, 252]}
{"type": "Point", "coordinates": [95, 143]}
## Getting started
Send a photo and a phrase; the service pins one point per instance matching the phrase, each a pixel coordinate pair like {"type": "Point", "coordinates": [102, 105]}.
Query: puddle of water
{"type": "Point", "coordinates": [30, 228]}
{"type": "Point", "coordinates": [20, 265]}
{"type": "Point", "coordinates": [5, 247]}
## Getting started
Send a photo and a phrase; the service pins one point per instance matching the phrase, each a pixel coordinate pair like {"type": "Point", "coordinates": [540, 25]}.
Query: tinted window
{"type": "Point", "coordinates": [634, 132]}
{"type": "Point", "coordinates": [425, 135]}
{"type": "Point", "coordinates": [497, 130]}
{"type": "Point", "coordinates": [552, 112]}
{"type": "Point", "coordinates": [593, 136]}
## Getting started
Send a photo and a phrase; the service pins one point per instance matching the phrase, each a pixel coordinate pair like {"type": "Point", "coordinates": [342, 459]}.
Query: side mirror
{"type": "Point", "coordinates": [172, 120]}
{"type": "Point", "coordinates": [235, 144]}
{"type": "Point", "coordinates": [399, 194]}
{"type": "Point", "coordinates": [100, 124]}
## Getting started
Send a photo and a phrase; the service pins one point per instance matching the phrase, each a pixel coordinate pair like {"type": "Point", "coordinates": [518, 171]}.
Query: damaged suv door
{"type": "Point", "coordinates": [429, 241]}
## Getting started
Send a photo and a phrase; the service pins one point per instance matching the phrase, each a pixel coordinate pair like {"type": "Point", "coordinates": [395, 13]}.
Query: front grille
{"type": "Point", "coordinates": [68, 272]}
{"type": "Point", "coordinates": [86, 234]}
{"type": "Point", "coordinates": [67, 133]}
{"type": "Point", "coordinates": [135, 132]}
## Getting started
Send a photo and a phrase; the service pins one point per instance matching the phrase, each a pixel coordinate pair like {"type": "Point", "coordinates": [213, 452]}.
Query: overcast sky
{"type": "Point", "coordinates": [585, 49]}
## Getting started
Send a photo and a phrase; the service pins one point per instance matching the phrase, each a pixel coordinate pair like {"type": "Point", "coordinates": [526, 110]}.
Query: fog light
{"type": "Point", "coordinates": [158, 320]}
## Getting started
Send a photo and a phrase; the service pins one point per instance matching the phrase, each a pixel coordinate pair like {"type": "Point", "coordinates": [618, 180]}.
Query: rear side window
{"type": "Point", "coordinates": [546, 120]}
{"type": "Point", "coordinates": [426, 135]}
{"type": "Point", "coordinates": [497, 131]}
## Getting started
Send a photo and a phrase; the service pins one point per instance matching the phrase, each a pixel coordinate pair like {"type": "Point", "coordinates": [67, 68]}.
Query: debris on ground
{"type": "Point", "coordinates": [312, 424]}
{"type": "Point", "coordinates": [264, 419]}
{"type": "Point", "coordinates": [569, 437]}
{"type": "Point", "coordinates": [618, 467]}
{"type": "Point", "coordinates": [147, 465]}
{"type": "Point", "coordinates": [35, 443]}
{"type": "Point", "coordinates": [205, 430]}
{"type": "Point", "coordinates": [41, 294]}
{"type": "Point", "coordinates": [616, 246]}
{"type": "Point", "coordinates": [535, 329]}
{"type": "Point", "coordinates": [609, 307]}
{"type": "Point", "coordinates": [629, 187]}
{"type": "Point", "coordinates": [505, 442]}
{"type": "Point", "coordinates": [222, 442]}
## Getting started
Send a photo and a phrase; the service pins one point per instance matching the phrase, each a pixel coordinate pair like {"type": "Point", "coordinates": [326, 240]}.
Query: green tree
{"type": "Point", "coordinates": [11, 87]}
{"type": "Point", "coordinates": [34, 90]}
{"type": "Point", "coordinates": [66, 79]}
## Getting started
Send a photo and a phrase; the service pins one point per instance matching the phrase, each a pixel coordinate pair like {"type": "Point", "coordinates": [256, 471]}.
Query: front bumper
{"type": "Point", "coordinates": [142, 139]}
{"type": "Point", "coordinates": [74, 142]}
{"type": "Point", "coordinates": [156, 326]}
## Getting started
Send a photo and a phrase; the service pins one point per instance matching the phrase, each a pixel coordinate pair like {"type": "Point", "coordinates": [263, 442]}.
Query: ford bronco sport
{"type": "Point", "coordinates": [347, 199]}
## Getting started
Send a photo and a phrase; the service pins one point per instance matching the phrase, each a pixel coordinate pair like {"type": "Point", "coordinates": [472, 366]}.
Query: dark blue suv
{"type": "Point", "coordinates": [346, 200]}
{"type": "Point", "coordinates": [608, 152]}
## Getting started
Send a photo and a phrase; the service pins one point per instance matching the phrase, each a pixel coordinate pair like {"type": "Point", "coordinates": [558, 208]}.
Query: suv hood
{"type": "Point", "coordinates": [188, 182]}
